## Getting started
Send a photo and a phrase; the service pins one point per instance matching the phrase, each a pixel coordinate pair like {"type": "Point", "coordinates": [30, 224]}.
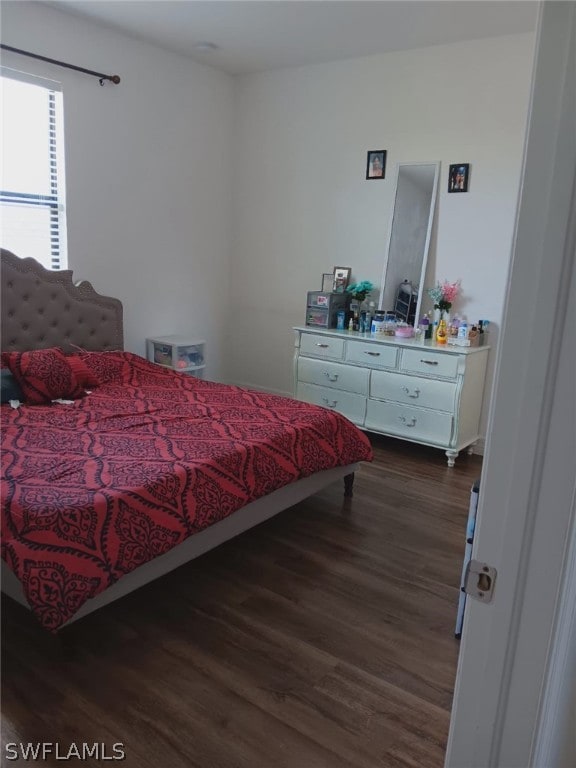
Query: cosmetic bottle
{"type": "Point", "coordinates": [377, 325]}
{"type": "Point", "coordinates": [424, 326]}
{"type": "Point", "coordinates": [441, 332]}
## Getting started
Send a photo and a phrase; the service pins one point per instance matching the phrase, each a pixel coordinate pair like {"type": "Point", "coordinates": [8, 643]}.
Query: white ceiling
{"type": "Point", "coordinates": [256, 35]}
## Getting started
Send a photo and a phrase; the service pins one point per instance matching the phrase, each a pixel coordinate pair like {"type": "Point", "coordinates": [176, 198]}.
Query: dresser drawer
{"type": "Point", "coordinates": [413, 390]}
{"type": "Point", "coordinates": [333, 375]}
{"type": "Point", "coordinates": [371, 355]}
{"type": "Point", "coordinates": [429, 362]}
{"type": "Point", "coordinates": [321, 346]}
{"type": "Point", "coordinates": [351, 405]}
{"type": "Point", "coordinates": [416, 424]}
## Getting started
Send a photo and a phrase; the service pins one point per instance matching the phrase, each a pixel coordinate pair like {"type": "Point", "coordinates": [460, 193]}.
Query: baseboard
{"type": "Point", "coordinates": [479, 446]}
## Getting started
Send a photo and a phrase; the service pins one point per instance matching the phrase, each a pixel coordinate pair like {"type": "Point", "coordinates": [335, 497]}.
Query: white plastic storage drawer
{"type": "Point", "coordinates": [348, 404]}
{"type": "Point", "coordinates": [418, 424]}
{"type": "Point", "coordinates": [317, 345]}
{"type": "Point", "coordinates": [430, 363]}
{"type": "Point", "coordinates": [335, 375]}
{"type": "Point", "coordinates": [371, 355]}
{"type": "Point", "coordinates": [413, 390]}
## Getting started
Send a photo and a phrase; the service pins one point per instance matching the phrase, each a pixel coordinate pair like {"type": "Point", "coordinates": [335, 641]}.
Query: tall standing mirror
{"type": "Point", "coordinates": [409, 240]}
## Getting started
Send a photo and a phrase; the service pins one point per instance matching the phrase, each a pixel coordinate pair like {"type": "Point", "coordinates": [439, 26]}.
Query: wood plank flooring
{"type": "Point", "coordinates": [324, 638]}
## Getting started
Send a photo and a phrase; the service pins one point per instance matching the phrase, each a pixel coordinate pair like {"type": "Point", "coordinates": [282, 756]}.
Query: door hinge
{"type": "Point", "coordinates": [479, 581]}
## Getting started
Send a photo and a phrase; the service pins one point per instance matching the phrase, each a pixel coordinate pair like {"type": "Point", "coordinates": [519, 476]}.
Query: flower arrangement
{"type": "Point", "coordinates": [359, 291]}
{"type": "Point", "coordinates": [443, 294]}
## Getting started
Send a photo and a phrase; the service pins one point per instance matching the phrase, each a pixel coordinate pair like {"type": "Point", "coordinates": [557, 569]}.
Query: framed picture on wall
{"type": "Point", "coordinates": [376, 164]}
{"type": "Point", "coordinates": [341, 278]}
{"type": "Point", "coordinates": [458, 176]}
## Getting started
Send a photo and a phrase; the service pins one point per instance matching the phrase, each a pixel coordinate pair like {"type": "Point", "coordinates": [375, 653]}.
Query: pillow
{"type": "Point", "coordinates": [83, 374]}
{"type": "Point", "coordinates": [9, 388]}
{"type": "Point", "coordinates": [43, 375]}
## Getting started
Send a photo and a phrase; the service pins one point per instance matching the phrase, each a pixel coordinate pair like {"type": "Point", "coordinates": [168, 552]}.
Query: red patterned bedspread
{"type": "Point", "coordinates": [94, 489]}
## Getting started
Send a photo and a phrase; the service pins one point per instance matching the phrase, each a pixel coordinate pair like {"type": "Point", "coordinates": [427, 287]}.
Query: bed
{"type": "Point", "coordinates": [133, 469]}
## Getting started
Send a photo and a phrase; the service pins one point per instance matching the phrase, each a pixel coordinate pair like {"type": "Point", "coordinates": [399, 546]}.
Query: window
{"type": "Point", "coordinates": [32, 210]}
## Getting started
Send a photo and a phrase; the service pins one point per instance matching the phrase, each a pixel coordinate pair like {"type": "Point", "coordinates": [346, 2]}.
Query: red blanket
{"type": "Point", "coordinates": [94, 489]}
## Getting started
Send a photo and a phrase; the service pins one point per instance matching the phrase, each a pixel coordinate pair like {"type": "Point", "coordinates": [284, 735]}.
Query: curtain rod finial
{"type": "Point", "coordinates": [112, 78]}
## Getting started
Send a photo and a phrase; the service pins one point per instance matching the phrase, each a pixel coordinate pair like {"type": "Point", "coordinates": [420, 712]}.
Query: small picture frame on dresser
{"type": "Point", "coordinates": [341, 277]}
{"type": "Point", "coordinates": [327, 282]}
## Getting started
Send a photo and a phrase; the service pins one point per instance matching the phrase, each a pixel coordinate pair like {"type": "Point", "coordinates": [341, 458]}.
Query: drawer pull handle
{"type": "Point", "coordinates": [411, 423]}
{"type": "Point", "coordinates": [415, 394]}
{"type": "Point", "coordinates": [331, 376]}
{"type": "Point", "coordinates": [324, 346]}
{"type": "Point", "coordinates": [430, 362]}
{"type": "Point", "coordinates": [373, 354]}
{"type": "Point", "coordinates": [330, 404]}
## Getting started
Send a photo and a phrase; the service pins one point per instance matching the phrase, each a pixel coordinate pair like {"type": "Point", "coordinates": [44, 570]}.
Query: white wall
{"type": "Point", "coordinates": [147, 161]}
{"type": "Point", "coordinates": [211, 204]}
{"type": "Point", "coordinates": [302, 204]}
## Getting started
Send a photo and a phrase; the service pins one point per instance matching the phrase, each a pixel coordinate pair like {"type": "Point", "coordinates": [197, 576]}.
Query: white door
{"type": "Point", "coordinates": [511, 647]}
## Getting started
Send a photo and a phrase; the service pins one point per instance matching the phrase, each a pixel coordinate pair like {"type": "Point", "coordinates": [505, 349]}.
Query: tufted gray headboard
{"type": "Point", "coordinates": [43, 309]}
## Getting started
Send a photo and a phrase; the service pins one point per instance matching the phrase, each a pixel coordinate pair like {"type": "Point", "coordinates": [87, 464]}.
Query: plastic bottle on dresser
{"type": "Point", "coordinates": [390, 322]}
{"type": "Point", "coordinates": [424, 326]}
{"type": "Point", "coordinates": [370, 312]}
{"type": "Point", "coordinates": [377, 325]}
{"type": "Point", "coordinates": [441, 332]}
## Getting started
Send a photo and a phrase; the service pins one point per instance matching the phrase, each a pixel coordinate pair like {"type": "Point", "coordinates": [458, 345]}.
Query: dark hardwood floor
{"type": "Point", "coordinates": [324, 638]}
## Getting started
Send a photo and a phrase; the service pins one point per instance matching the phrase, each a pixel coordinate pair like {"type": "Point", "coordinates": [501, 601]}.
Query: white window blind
{"type": "Point", "coordinates": [32, 201]}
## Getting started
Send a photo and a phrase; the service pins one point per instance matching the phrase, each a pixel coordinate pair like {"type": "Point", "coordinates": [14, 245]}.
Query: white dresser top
{"type": "Point", "coordinates": [392, 340]}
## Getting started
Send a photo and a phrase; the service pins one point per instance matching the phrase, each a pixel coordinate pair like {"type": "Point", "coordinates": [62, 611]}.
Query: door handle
{"type": "Point", "coordinates": [415, 395]}
{"type": "Point", "coordinates": [324, 346]}
{"type": "Point", "coordinates": [430, 362]}
{"type": "Point", "coordinates": [404, 420]}
{"type": "Point", "coordinates": [330, 404]}
{"type": "Point", "coordinates": [331, 376]}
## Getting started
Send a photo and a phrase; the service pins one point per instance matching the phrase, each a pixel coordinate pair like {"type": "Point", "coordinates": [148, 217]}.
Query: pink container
{"type": "Point", "coordinates": [404, 331]}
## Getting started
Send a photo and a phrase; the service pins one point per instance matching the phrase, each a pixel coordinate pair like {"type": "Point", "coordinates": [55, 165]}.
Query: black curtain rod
{"type": "Point", "coordinates": [113, 78]}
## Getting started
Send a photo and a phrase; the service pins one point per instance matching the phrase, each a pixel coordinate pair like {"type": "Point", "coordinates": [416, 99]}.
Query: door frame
{"type": "Point", "coordinates": [526, 501]}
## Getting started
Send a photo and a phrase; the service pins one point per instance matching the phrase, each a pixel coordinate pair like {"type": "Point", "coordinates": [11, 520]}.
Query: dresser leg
{"type": "Point", "coordinates": [348, 483]}
{"type": "Point", "coordinates": [452, 455]}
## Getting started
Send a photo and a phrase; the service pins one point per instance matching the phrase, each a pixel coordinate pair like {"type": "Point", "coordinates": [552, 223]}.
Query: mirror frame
{"type": "Point", "coordinates": [433, 201]}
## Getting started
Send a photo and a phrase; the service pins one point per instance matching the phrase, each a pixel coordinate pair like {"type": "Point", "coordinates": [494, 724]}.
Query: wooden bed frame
{"type": "Point", "coordinates": [42, 309]}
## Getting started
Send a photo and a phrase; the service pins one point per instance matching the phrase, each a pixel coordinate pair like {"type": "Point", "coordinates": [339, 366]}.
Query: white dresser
{"type": "Point", "coordinates": [417, 391]}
